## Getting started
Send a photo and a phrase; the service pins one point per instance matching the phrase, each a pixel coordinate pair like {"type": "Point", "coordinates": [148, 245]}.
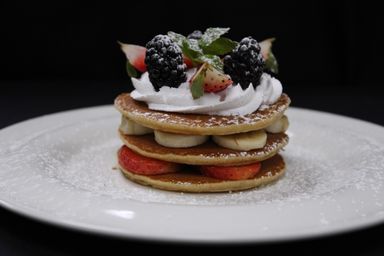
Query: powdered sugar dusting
{"type": "Point", "coordinates": [320, 166]}
{"type": "Point", "coordinates": [137, 111]}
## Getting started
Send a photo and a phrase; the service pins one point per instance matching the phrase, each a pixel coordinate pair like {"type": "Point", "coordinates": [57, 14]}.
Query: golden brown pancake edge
{"type": "Point", "coordinates": [198, 124]}
{"type": "Point", "coordinates": [206, 154]}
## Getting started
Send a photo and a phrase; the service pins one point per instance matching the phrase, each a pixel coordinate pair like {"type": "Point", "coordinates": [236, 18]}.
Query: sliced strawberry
{"type": "Point", "coordinates": [139, 164]}
{"type": "Point", "coordinates": [268, 56]}
{"type": "Point", "coordinates": [266, 47]}
{"type": "Point", "coordinates": [213, 80]}
{"type": "Point", "coordinates": [136, 55]}
{"type": "Point", "coordinates": [242, 172]}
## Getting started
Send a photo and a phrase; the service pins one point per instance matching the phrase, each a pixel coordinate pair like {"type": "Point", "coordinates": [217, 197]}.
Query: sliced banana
{"type": "Point", "coordinates": [130, 127]}
{"type": "Point", "coordinates": [280, 125]}
{"type": "Point", "coordinates": [173, 140]}
{"type": "Point", "coordinates": [242, 141]}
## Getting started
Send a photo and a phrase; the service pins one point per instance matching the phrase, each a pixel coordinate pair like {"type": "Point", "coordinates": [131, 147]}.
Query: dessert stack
{"type": "Point", "coordinates": [206, 114]}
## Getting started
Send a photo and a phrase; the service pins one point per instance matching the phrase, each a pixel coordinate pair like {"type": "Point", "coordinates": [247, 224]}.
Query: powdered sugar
{"type": "Point", "coordinates": [137, 111]}
{"type": "Point", "coordinates": [321, 164]}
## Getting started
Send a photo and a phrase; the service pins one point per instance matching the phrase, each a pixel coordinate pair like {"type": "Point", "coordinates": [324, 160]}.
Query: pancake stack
{"type": "Point", "coordinates": [222, 141]}
{"type": "Point", "coordinates": [206, 115]}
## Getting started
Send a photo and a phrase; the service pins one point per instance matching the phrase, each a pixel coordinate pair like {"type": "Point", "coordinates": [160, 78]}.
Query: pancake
{"type": "Point", "coordinates": [208, 153]}
{"type": "Point", "coordinates": [190, 180]}
{"type": "Point", "coordinates": [196, 124]}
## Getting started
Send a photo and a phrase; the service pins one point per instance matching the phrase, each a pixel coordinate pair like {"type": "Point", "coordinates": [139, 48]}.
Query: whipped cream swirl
{"type": "Point", "coordinates": [231, 101]}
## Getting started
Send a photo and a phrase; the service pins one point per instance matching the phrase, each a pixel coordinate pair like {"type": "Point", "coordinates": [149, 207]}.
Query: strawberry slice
{"type": "Point", "coordinates": [211, 79]}
{"type": "Point", "coordinates": [142, 165]}
{"type": "Point", "coordinates": [215, 81]}
{"type": "Point", "coordinates": [268, 56]}
{"type": "Point", "coordinates": [136, 55]}
{"type": "Point", "coordinates": [242, 172]}
{"type": "Point", "coordinates": [266, 47]}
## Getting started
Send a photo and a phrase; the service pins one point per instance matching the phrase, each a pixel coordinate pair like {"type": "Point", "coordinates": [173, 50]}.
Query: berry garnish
{"type": "Point", "coordinates": [231, 172]}
{"type": "Point", "coordinates": [166, 58]}
{"type": "Point", "coordinates": [165, 63]}
{"type": "Point", "coordinates": [245, 63]}
{"type": "Point", "coordinates": [135, 58]}
{"type": "Point", "coordinates": [269, 58]}
{"type": "Point", "coordinates": [208, 79]}
{"type": "Point", "coordinates": [139, 164]}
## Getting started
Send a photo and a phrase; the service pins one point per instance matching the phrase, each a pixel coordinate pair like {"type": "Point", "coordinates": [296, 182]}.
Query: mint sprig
{"type": "Point", "coordinates": [212, 60]}
{"type": "Point", "coordinates": [206, 49]}
{"type": "Point", "coordinates": [177, 38]}
{"type": "Point", "coordinates": [220, 46]}
{"type": "Point", "coordinates": [191, 50]}
{"type": "Point", "coordinates": [210, 35]}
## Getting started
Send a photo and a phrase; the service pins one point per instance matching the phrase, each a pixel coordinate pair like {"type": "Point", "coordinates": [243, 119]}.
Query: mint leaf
{"type": "Point", "coordinates": [212, 60]}
{"type": "Point", "coordinates": [177, 38]}
{"type": "Point", "coordinates": [271, 63]}
{"type": "Point", "coordinates": [191, 49]}
{"type": "Point", "coordinates": [132, 72]}
{"type": "Point", "coordinates": [210, 35]}
{"type": "Point", "coordinates": [194, 45]}
{"type": "Point", "coordinates": [220, 46]}
{"type": "Point", "coordinates": [197, 84]}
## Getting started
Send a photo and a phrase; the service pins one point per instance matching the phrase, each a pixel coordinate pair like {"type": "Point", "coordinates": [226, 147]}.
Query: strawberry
{"type": "Point", "coordinates": [136, 55]}
{"type": "Point", "coordinates": [269, 58]}
{"type": "Point", "coordinates": [210, 79]}
{"type": "Point", "coordinates": [242, 172]}
{"type": "Point", "coordinates": [142, 165]}
{"type": "Point", "coordinates": [215, 81]}
{"type": "Point", "coordinates": [266, 47]}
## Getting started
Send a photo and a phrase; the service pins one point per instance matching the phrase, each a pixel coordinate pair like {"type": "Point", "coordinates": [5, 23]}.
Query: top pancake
{"type": "Point", "coordinates": [199, 124]}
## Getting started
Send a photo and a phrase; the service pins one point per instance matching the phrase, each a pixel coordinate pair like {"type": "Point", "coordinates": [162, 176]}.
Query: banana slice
{"type": "Point", "coordinates": [280, 125]}
{"type": "Point", "coordinates": [173, 140]}
{"type": "Point", "coordinates": [130, 127]}
{"type": "Point", "coordinates": [242, 141]}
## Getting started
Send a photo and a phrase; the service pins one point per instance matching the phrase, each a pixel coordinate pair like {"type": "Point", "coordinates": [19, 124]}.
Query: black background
{"type": "Point", "coordinates": [61, 55]}
{"type": "Point", "coordinates": [336, 43]}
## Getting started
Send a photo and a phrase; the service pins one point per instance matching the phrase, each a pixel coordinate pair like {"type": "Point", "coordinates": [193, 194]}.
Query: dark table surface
{"type": "Point", "coordinates": [23, 236]}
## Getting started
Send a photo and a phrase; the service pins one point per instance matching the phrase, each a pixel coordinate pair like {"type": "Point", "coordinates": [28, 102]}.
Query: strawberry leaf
{"type": "Point", "coordinates": [132, 72]}
{"type": "Point", "coordinates": [197, 83]}
{"type": "Point", "coordinates": [210, 35]}
{"type": "Point", "coordinates": [220, 46]}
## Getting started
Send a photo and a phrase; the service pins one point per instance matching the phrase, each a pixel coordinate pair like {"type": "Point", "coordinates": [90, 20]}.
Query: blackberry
{"type": "Point", "coordinates": [245, 63]}
{"type": "Point", "coordinates": [165, 63]}
{"type": "Point", "coordinates": [197, 34]}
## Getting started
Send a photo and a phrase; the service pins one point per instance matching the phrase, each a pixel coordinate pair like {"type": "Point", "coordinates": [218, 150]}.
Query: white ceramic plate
{"type": "Point", "coordinates": [59, 169]}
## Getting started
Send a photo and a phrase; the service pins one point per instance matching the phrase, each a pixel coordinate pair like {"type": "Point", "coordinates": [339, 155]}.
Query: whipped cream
{"type": "Point", "coordinates": [231, 101]}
